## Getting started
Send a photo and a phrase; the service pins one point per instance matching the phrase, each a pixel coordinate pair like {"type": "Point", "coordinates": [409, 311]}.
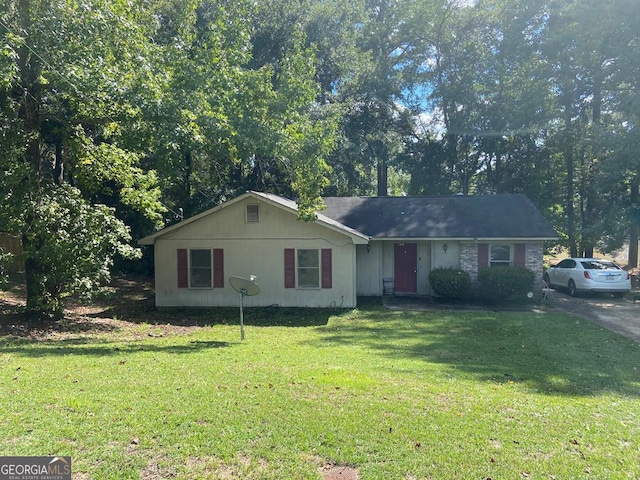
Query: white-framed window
{"type": "Point", "coordinates": [252, 213]}
{"type": "Point", "coordinates": [308, 267]}
{"type": "Point", "coordinates": [200, 268]}
{"type": "Point", "coordinates": [500, 255]}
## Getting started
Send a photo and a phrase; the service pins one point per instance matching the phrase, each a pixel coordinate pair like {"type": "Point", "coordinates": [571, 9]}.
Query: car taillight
{"type": "Point", "coordinates": [587, 275]}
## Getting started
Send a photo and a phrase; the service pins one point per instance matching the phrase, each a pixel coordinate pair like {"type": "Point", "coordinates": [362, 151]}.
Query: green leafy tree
{"type": "Point", "coordinates": [58, 133]}
{"type": "Point", "coordinates": [585, 48]}
{"type": "Point", "coordinates": [238, 106]}
{"type": "Point", "coordinates": [535, 97]}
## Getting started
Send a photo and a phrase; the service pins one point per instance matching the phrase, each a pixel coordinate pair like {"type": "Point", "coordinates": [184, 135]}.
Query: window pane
{"type": "Point", "coordinates": [308, 258]}
{"type": "Point", "coordinates": [500, 264]}
{"type": "Point", "coordinates": [500, 253]}
{"type": "Point", "coordinates": [201, 268]}
{"type": "Point", "coordinates": [308, 278]}
{"type": "Point", "coordinates": [500, 256]}
{"type": "Point", "coordinates": [599, 265]}
{"type": "Point", "coordinates": [308, 269]}
{"type": "Point", "coordinates": [201, 258]}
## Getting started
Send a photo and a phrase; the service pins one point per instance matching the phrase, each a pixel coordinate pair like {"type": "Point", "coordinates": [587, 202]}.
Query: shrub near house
{"type": "Point", "coordinates": [450, 282]}
{"type": "Point", "coordinates": [503, 283]}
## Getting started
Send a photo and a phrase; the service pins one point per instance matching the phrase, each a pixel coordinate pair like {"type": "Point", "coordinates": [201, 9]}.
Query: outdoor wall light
{"type": "Point", "coordinates": [368, 247]}
{"type": "Point", "coordinates": [445, 247]}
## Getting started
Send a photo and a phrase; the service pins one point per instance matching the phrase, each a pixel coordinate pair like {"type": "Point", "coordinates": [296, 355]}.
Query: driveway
{"type": "Point", "coordinates": [617, 314]}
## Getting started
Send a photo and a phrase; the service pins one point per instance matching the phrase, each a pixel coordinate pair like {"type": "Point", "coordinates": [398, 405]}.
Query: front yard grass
{"type": "Point", "coordinates": [392, 395]}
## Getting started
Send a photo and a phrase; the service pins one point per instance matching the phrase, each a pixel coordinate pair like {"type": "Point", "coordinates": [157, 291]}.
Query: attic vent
{"type": "Point", "coordinates": [253, 213]}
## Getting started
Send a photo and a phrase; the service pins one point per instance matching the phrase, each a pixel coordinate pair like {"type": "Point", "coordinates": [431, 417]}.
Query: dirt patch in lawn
{"type": "Point", "coordinates": [157, 469]}
{"type": "Point", "coordinates": [126, 308]}
{"type": "Point", "coordinates": [120, 308]}
{"type": "Point", "coordinates": [339, 472]}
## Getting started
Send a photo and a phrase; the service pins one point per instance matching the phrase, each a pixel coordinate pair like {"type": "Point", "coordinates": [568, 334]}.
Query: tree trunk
{"type": "Point", "coordinates": [58, 167]}
{"type": "Point", "coordinates": [187, 204]}
{"type": "Point", "coordinates": [569, 163]}
{"type": "Point", "coordinates": [634, 228]}
{"type": "Point", "coordinates": [383, 181]}
{"type": "Point", "coordinates": [587, 195]}
{"type": "Point", "coordinates": [34, 286]}
{"type": "Point", "coordinates": [634, 237]}
{"type": "Point", "coordinates": [29, 113]}
{"type": "Point", "coordinates": [586, 212]}
{"type": "Point", "coordinates": [569, 205]}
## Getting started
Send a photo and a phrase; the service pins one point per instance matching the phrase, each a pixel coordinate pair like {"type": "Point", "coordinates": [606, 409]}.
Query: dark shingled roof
{"type": "Point", "coordinates": [475, 216]}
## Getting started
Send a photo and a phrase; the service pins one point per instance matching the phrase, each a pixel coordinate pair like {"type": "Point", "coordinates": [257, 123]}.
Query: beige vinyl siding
{"type": "Point", "coordinates": [255, 249]}
{"type": "Point", "coordinates": [369, 272]}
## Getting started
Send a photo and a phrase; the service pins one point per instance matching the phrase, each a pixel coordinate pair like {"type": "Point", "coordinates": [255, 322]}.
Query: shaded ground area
{"type": "Point", "coordinates": [431, 303]}
{"type": "Point", "coordinates": [620, 315]}
{"type": "Point", "coordinates": [129, 301]}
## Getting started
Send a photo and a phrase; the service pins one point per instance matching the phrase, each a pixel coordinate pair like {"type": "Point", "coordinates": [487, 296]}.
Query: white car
{"type": "Point", "coordinates": [588, 275]}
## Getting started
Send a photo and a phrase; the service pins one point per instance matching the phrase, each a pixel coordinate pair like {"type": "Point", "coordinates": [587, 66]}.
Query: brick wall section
{"type": "Point", "coordinates": [533, 261]}
{"type": "Point", "coordinates": [469, 259]}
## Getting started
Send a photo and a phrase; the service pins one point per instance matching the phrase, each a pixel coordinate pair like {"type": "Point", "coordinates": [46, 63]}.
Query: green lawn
{"type": "Point", "coordinates": [394, 395]}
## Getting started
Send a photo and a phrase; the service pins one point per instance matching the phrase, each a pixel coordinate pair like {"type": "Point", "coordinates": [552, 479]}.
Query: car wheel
{"type": "Point", "coordinates": [572, 288]}
{"type": "Point", "coordinates": [547, 280]}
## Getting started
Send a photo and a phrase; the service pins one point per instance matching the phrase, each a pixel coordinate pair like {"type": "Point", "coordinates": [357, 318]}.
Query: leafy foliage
{"type": "Point", "coordinates": [499, 284]}
{"type": "Point", "coordinates": [66, 98]}
{"type": "Point", "coordinates": [72, 245]}
{"type": "Point", "coordinates": [450, 282]}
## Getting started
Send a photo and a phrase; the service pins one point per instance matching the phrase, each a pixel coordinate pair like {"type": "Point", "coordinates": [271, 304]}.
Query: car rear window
{"type": "Point", "coordinates": [593, 265]}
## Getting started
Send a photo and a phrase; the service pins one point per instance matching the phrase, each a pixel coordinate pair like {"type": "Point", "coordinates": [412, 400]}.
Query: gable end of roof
{"type": "Point", "coordinates": [279, 202]}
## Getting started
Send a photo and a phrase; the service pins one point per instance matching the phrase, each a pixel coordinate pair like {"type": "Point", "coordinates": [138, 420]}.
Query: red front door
{"type": "Point", "coordinates": [405, 268]}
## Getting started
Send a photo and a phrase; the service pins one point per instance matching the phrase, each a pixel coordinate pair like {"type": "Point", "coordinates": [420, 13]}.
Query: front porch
{"type": "Point", "coordinates": [401, 267]}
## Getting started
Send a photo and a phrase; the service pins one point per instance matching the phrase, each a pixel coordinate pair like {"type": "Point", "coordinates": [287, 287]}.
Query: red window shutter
{"type": "Point", "coordinates": [218, 268]}
{"type": "Point", "coordinates": [519, 258]}
{"type": "Point", "coordinates": [327, 268]}
{"type": "Point", "coordinates": [183, 268]}
{"type": "Point", "coordinates": [483, 255]}
{"type": "Point", "coordinates": [289, 268]}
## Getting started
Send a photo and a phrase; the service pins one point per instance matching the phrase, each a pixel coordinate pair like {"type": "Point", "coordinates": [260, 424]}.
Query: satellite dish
{"type": "Point", "coordinates": [247, 288]}
{"type": "Point", "coordinates": [244, 286]}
